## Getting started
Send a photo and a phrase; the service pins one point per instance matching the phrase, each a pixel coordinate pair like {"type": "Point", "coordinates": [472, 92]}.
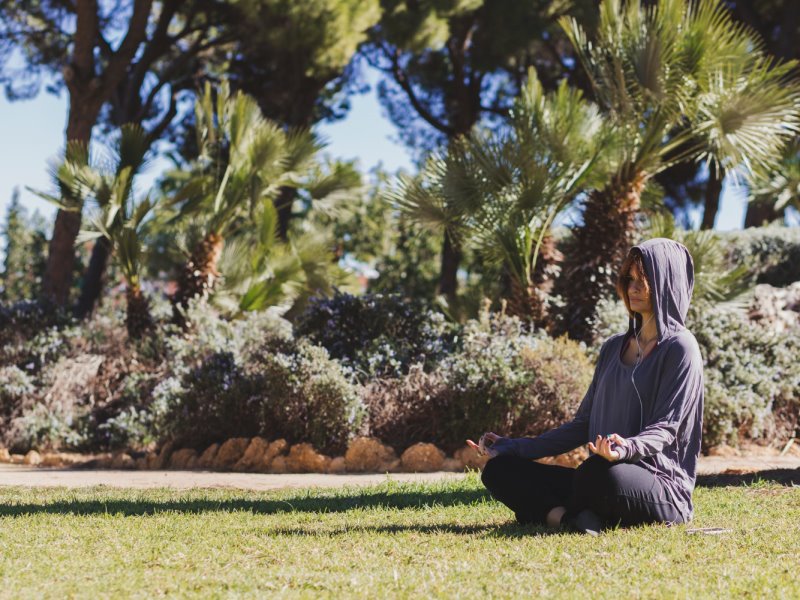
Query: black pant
{"type": "Point", "coordinates": [619, 493]}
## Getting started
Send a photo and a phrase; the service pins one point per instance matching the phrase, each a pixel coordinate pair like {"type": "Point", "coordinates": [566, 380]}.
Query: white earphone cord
{"type": "Point", "coordinates": [639, 358]}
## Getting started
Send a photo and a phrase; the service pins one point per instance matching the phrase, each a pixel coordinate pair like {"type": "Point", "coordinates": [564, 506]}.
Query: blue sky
{"type": "Point", "coordinates": [32, 132]}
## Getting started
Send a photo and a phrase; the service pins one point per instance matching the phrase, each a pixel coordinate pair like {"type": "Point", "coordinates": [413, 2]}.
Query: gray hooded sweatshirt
{"type": "Point", "coordinates": [663, 422]}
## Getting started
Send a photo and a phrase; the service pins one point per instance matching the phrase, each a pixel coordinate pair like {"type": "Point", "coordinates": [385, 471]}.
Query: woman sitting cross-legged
{"type": "Point", "coordinates": [641, 417]}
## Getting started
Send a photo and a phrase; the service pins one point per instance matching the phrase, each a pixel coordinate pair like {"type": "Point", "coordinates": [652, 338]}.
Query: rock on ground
{"type": "Point", "coordinates": [338, 465]}
{"type": "Point", "coordinates": [276, 449]}
{"type": "Point", "coordinates": [304, 459]}
{"type": "Point", "coordinates": [230, 452]}
{"type": "Point", "coordinates": [422, 458]}
{"type": "Point", "coordinates": [207, 458]}
{"type": "Point", "coordinates": [368, 454]}
{"type": "Point", "coordinates": [253, 457]}
{"type": "Point", "coordinates": [32, 458]}
{"type": "Point", "coordinates": [184, 458]}
{"type": "Point", "coordinates": [122, 461]}
{"type": "Point", "coordinates": [162, 459]}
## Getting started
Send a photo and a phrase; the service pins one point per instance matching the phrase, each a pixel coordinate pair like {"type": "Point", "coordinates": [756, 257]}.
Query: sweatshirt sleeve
{"type": "Point", "coordinates": [676, 397]}
{"type": "Point", "coordinates": [564, 438]}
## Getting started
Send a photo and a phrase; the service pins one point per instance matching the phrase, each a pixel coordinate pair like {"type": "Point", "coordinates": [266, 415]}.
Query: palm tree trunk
{"type": "Point", "coordinates": [448, 275]}
{"type": "Point", "coordinates": [526, 302]}
{"type": "Point", "coordinates": [759, 213]}
{"type": "Point", "coordinates": [713, 191]}
{"type": "Point", "coordinates": [598, 248]}
{"type": "Point", "coordinates": [283, 205]}
{"type": "Point", "coordinates": [529, 302]}
{"type": "Point", "coordinates": [138, 319]}
{"type": "Point", "coordinates": [199, 273]}
{"type": "Point", "coordinates": [93, 279]}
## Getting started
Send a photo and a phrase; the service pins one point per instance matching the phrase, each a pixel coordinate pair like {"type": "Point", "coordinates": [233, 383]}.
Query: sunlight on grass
{"type": "Point", "coordinates": [442, 540]}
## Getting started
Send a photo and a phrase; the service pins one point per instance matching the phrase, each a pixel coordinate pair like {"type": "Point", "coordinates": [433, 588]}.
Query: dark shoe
{"type": "Point", "coordinates": [586, 522]}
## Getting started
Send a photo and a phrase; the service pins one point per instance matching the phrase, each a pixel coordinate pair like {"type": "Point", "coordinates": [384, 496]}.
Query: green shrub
{"type": "Point", "coordinates": [281, 389]}
{"type": "Point", "coordinates": [208, 333]}
{"type": "Point", "coordinates": [306, 397]}
{"type": "Point", "coordinates": [217, 401]}
{"type": "Point", "coordinates": [32, 333]}
{"type": "Point", "coordinates": [14, 385]}
{"type": "Point", "coordinates": [611, 318]}
{"type": "Point", "coordinates": [375, 334]}
{"type": "Point", "coordinates": [404, 410]}
{"type": "Point", "coordinates": [503, 379]}
{"type": "Point", "coordinates": [563, 372]}
{"type": "Point", "coordinates": [771, 253]}
{"type": "Point", "coordinates": [750, 373]}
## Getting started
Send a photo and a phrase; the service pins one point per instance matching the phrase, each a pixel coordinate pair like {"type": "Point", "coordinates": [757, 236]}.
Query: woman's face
{"type": "Point", "coordinates": [638, 292]}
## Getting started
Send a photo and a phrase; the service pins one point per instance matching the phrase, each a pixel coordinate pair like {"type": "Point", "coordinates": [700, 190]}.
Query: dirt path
{"type": "Point", "coordinates": [40, 477]}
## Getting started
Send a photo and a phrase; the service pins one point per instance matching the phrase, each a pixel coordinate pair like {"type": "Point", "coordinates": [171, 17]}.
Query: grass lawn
{"type": "Point", "coordinates": [447, 540]}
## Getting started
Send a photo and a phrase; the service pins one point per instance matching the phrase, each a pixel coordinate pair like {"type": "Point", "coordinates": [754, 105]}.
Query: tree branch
{"type": "Point", "coordinates": [159, 129]}
{"type": "Point", "coordinates": [85, 35]}
{"type": "Point", "coordinates": [402, 80]}
{"type": "Point", "coordinates": [119, 63]}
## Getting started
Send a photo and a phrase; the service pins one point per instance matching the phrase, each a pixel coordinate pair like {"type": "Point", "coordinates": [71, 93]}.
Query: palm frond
{"type": "Point", "coordinates": [779, 186]}
{"type": "Point", "coordinates": [714, 281]}
{"type": "Point", "coordinates": [132, 147]}
{"type": "Point", "coordinates": [748, 113]}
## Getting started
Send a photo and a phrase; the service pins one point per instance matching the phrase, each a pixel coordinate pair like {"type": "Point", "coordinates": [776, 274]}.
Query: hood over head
{"type": "Point", "coordinates": [670, 271]}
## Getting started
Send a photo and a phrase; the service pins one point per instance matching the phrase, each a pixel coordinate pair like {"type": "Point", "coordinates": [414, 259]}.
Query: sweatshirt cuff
{"type": "Point", "coordinates": [622, 451]}
{"type": "Point", "coordinates": [506, 446]}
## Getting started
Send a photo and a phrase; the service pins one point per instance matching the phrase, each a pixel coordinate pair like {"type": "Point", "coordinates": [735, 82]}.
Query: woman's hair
{"type": "Point", "coordinates": [632, 268]}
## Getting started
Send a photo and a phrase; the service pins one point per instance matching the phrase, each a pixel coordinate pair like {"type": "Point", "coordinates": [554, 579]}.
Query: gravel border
{"type": "Point", "coordinates": [27, 476]}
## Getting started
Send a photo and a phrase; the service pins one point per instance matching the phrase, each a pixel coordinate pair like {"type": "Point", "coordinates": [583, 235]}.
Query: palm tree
{"type": "Point", "coordinates": [501, 193]}
{"type": "Point", "coordinates": [681, 81]}
{"type": "Point", "coordinates": [244, 160]}
{"type": "Point", "coordinates": [117, 217]}
{"type": "Point", "coordinates": [262, 271]}
{"type": "Point", "coordinates": [778, 188]}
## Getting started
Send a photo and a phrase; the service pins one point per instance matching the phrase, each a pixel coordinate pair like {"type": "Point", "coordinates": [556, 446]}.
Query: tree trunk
{"type": "Point", "coordinates": [199, 274]}
{"type": "Point", "coordinates": [448, 277]}
{"type": "Point", "coordinates": [88, 91]}
{"type": "Point", "coordinates": [283, 205]}
{"type": "Point", "coordinates": [93, 279]}
{"type": "Point", "coordinates": [138, 320]}
{"type": "Point", "coordinates": [529, 302]}
{"type": "Point", "coordinates": [57, 280]}
{"type": "Point", "coordinates": [713, 192]}
{"type": "Point", "coordinates": [760, 213]}
{"type": "Point", "coordinates": [598, 248]}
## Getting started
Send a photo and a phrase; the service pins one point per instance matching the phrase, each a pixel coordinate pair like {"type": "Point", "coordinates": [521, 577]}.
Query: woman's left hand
{"type": "Point", "coordinates": [602, 446]}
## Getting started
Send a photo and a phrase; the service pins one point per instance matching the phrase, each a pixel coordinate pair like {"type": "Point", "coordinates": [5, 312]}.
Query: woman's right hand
{"type": "Point", "coordinates": [486, 444]}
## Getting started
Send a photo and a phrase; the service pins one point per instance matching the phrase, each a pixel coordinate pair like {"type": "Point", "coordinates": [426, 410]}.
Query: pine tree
{"type": "Point", "coordinates": [25, 253]}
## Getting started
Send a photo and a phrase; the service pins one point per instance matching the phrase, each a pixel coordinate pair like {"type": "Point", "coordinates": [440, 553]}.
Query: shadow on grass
{"type": "Point", "coordinates": [301, 503]}
{"type": "Point", "coordinates": [506, 530]}
{"type": "Point", "coordinates": [787, 477]}
{"type": "Point", "coordinates": [304, 502]}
